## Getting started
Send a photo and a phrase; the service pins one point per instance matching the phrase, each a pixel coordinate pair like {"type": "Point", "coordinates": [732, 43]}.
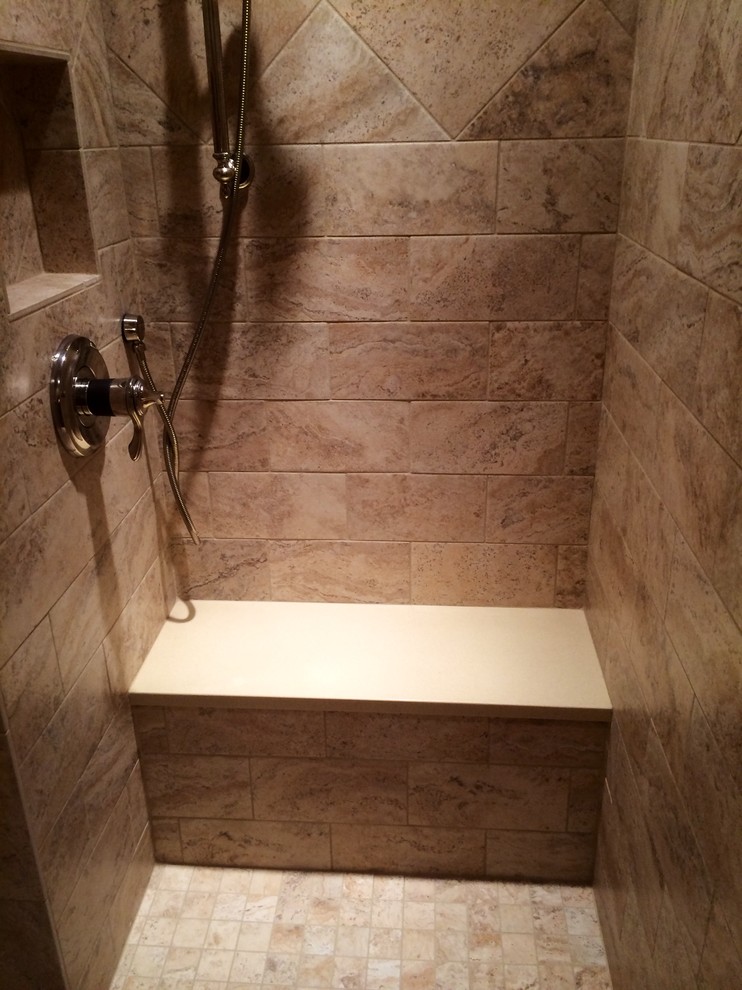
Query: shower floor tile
{"type": "Point", "coordinates": [201, 928]}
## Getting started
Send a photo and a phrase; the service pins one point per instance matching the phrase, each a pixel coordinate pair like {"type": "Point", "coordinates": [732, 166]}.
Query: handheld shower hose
{"type": "Point", "coordinates": [231, 186]}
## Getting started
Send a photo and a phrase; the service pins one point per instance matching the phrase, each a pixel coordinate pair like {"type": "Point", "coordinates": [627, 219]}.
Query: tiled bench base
{"type": "Point", "coordinates": [477, 749]}
{"type": "Point", "coordinates": [459, 796]}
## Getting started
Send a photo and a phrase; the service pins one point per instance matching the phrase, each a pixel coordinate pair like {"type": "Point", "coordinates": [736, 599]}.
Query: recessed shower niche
{"type": "Point", "coordinates": [47, 242]}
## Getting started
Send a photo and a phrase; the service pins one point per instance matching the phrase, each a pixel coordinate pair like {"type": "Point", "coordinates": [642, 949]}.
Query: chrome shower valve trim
{"type": "Point", "coordinates": [83, 398]}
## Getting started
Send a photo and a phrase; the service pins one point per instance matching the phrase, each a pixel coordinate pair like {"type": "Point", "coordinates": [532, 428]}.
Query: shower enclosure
{"type": "Point", "coordinates": [400, 400]}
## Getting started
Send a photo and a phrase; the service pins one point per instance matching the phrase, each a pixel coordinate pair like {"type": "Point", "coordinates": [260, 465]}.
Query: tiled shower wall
{"type": "Point", "coordinates": [81, 586]}
{"type": "Point", "coordinates": [399, 400]}
{"type": "Point", "coordinates": [665, 567]}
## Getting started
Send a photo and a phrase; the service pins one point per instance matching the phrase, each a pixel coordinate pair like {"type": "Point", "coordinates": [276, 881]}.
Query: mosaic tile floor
{"type": "Point", "coordinates": [224, 929]}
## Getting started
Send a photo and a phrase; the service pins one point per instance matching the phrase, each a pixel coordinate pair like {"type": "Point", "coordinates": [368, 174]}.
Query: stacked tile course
{"type": "Point", "coordinates": [665, 572]}
{"type": "Point", "coordinates": [432, 795]}
{"type": "Point", "coordinates": [398, 400]}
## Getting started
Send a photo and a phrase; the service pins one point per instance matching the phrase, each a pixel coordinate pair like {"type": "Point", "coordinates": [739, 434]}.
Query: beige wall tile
{"type": "Point", "coordinates": [631, 392]}
{"type": "Point", "coordinates": [695, 478]}
{"type": "Point", "coordinates": [139, 186]}
{"type": "Point", "coordinates": [429, 851]}
{"type": "Point", "coordinates": [717, 391]}
{"type": "Point", "coordinates": [594, 277]}
{"type": "Point", "coordinates": [197, 786]}
{"type": "Point", "coordinates": [166, 840]}
{"type": "Point", "coordinates": [53, 766]}
{"type": "Point", "coordinates": [546, 742]}
{"type": "Point", "coordinates": [415, 507]}
{"type": "Point", "coordinates": [411, 188]}
{"type": "Point", "coordinates": [409, 360]}
{"type": "Point", "coordinates": [227, 436]}
{"type": "Point", "coordinates": [28, 945]}
{"type": "Point", "coordinates": [475, 574]}
{"type": "Point", "coordinates": [106, 196]}
{"type": "Point", "coordinates": [454, 81]}
{"type": "Point", "coordinates": [347, 96]}
{"type": "Point", "coordinates": [537, 509]}
{"type": "Point", "coordinates": [245, 732]}
{"type": "Point", "coordinates": [709, 645]}
{"type": "Point", "coordinates": [616, 569]}
{"type": "Point", "coordinates": [57, 188]}
{"type": "Point", "coordinates": [279, 506]}
{"type": "Point", "coordinates": [32, 688]}
{"type": "Point", "coordinates": [575, 85]}
{"type": "Point", "coordinates": [222, 569]}
{"type": "Point", "coordinates": [408, 737]}
{"type": "Point", "coordinates": [503, 277]}
{"type": "Point", "coordinates": [19, 880]}
{"type": "Point", "coordinates": [651, 194]}
{"type": "Point", "coordinates": [331, 791]}
{"type": "Point", "coordinates": [581, 447]}
{"type": "Point", "coordinates": [546, 360]}
{"type": "Point", "coordinates": [313, 279]}
{"type": "Point", "coordinates": [149, 728]}
{"type": "Point", "coordinates": [721, 959]}
{"type": "Point", "coordinates": [585, 793]}
{"type": "Point", "coordinates": [265, 845]}
{"type": "Point", "coordinates": [559, 186]}
{"type": "Point", "coordinates": [107, 772]}
{"type": "Point", "coordinates": [338, 436]}
{"type": "Point", "coordinates": [340, 572]}
{"type": "Point", "coordinates": [709, 218]}
{"type": "Point", "coordinates": [509, 797]}
{"type": "Point", "coordinates": [173, 277]}
{"type": "Point", "coordinates": [482, 437]}
{"type": "Point", "coordinates": [14, 505]}
{"type": "Point", "coordinates": [660, 311]}
{"type": "Point", "coordinates": [557, 857]}
{"type": "Point", "coordinates": [571, 577]}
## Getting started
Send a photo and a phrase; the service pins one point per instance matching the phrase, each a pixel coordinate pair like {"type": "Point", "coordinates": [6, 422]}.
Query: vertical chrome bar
{"type": "Point", "coordinates": [220, 129]}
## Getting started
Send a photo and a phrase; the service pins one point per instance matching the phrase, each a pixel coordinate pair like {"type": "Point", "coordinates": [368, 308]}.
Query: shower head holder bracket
{"type": "Point", "coordinates": [83, 398]}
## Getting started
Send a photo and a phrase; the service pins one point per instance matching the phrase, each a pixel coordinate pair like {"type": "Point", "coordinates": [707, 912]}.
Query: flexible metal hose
{"type": "Point", "coordinates": [169, 439]}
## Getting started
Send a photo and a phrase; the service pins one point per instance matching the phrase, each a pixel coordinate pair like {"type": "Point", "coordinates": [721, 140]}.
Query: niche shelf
{"type": "Point", "coordinates": [48, 247]}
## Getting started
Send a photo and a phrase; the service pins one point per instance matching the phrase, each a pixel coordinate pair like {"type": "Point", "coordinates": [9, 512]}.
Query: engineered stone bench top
{"type": "Point", "coordinates": [507, 662]}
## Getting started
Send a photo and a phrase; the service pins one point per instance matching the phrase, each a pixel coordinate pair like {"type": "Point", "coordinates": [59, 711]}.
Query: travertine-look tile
{"type": "Point", "coordinates": [470, 795]}
{"type": "Point", "coordinates": [94, 113]}
{"type": "Point", "coordinates": [288, 193]}
{"type": "Point", "coordinates": [166, 840]}
{"type": "Point", "coordinates": [257, 361]}
{"type": "Point", "coordinates": [330, 791]}
{"type": "Point", "coordinates": [542, 742]}
{"type": "Point", "coordinates": [347, 96]}
{"type": "Point", "coordinates": [198, 786]}
{"type": "Point", "coordinates": [631, 393]}
{"type": "Point", "coordinates": [173, 277]}
{"type": "Point", "coordinates": [709, 218]}
{"type": "Point", "coordinates": [595, 275]}
{"type": "Point", "coordinates": [409, 737]}
{"type": "Point", "coordinates": [695, 478]}
{"type": "Point", "coordinates": [454, 81]}
{"type": "Point", "coordinates": [150, 728]}
{"type": "Point", "coordinates": [546, 360]}
{"type": "Point", "coordinates": [278, 506]}
{"type": "Point", "coordinates": [488, 437]}
{"type": "Point", "coordinates": [335, 279]}
{"type": "Point", "coordinates": [479, 574]}
{"type": "Point", "coordinates": [559, 186]}
{"type": "Point", "coordinates": [585, 793]}
{"type": "Point", "coordinates": [576, 85]}
{"type": "Point", "coordinates": [105, 189]}
{"type": "Point", "coordinates": [537, 509]}
{"type": "Point", "coordinates": [651, 197]}
{"type": "Point", "coordinates": [679, 92]}
{"type": "Point", "coordinates": [222, 569]}
{"type": "Point", "coordinates": [415, 507]}
{"type": "Point", "coordinates": [721, 959]}
{"type": "Point", "coordinates": [571, 577]}
{"type": "Point", "coordinates": [229, 842]}
{"type": "Point", "coordinates": [718, 390]}
{"type": "Point", "coordinates": [227, 436]}
{"type": "Point", "coordinates": [329, 570]}
{"type": "Point", "coordinates": [708, 643]}
{"type": "Point", "coordinates": [503, 277]}
{"type": "Point", "coordinates": [411, 188]}
{"type": "Point", "coordinates": [57, 187]}
{"type": "Point", "coordinates": [139, 187]}
{"type": "Point", "coordinates": [661, 312]}
{"type": "Point", "coordinates": [245, 732]}
{"type": "Point", "coordinates": [429, 851]}
{"type": "Point", "coordinates": [568, 857]}
{"type": "Point", "coordinates": [32, 688]}
{"type": "Point", "coordinates": [583, 423]}
{"type": "Point", "coordinates": [408, 360]}
{"type": "Point", "coordinates": [338, 436]}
